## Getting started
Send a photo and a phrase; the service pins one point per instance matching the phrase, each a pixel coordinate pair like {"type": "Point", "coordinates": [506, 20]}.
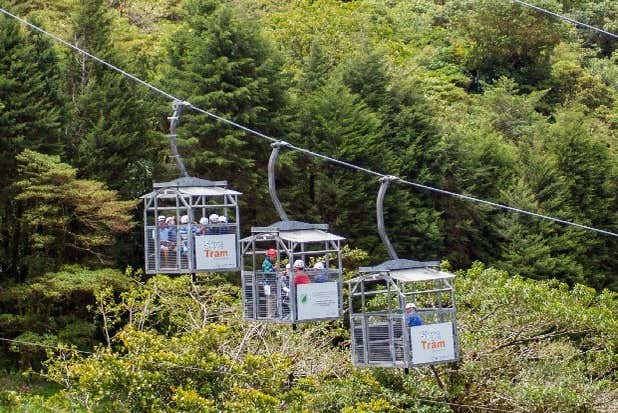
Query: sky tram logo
{"type": "Point", "coordinates": [215, 251]}
{"type": "Point", "coordinates": [432, 343]}
{"type": "Point", "coordinates": [432, 340]}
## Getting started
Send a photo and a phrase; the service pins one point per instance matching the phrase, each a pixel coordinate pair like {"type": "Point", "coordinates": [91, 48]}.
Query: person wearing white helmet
{"type": "Point", "coordinates": [203, 226]}
{"type": "Point", "coordinates": [183, 233]}
{"type": "Point", "coordinates": [412, 317]}
{"type": "Point", "coordinates": [321, 276]}
{"type": "Point", "coordinates": [225, 229]}
{"type": "Point", "coordinates": [300, 276]}
{"type": "Point", "coordinates": [213, 220]}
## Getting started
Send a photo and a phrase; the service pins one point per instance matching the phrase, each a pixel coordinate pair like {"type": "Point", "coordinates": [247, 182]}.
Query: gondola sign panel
{"type": "Point", "coordinates": [317, 300]}
{"type": "Point", "coordinates": [213, 252]}
{"type": "Point", "coordinates": [432, 343]}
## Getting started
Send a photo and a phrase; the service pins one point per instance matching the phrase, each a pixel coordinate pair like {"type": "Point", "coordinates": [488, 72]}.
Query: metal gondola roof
{"type": "Point", "coordinates": [189, 181]}
{"type": "Point", "coordinates": [294, 231]}
{"type": "Point", "coordinates": [399, 264]}
{"type": "Point", "coordinates": [403, 270]}
{"type": "Point", "coordinates": [190, 186]}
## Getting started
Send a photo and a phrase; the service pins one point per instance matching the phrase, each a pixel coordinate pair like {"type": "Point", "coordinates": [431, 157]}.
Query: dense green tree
{"type": "Point", "coordinates": [219, 62]}
{"type": "Point", "coordinates": [65, 219]}
{"type": "Point", "coordinates": [112, 135]}
{"type": "Point", "coordinates": [506, 39]}
{"type": "Point", "coordinates": [336, 122]}
{"type": "Point", "coordinates": [477, 154]}
{"type": "Point", "coordinates": [57, 308]}
{"type": "Point", "coordinates": [32, 117]}
{"type": "Point", "coordinates": [408, 144]}
{"type": "Point", "coordinates": [564, 170]}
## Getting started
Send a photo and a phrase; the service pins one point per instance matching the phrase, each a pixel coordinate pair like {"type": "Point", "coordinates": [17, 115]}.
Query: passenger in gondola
{"type": "Point", "coordinates": [284, 281]}
{"type": "Point", "coordinates": [412, 317]}
{"type": "Point", "coordinates": [300, 276]}
{"type": "Point", "coordinates": [203, 226]}
{"type": "Point", "coordinates": [172, 234]}
{"type": "Point", "coordinates": [213, 221]}
{"type": "Point", "coordinates": [321, 275]}
{"type": "Point", "coordinates": [167, 238]}
{"type": "Point", "coordinates": [184, 230]}
{"type": "Point", "coordinates": [269, 281]}
{"type": "Point", "coordinates": [224, 228]}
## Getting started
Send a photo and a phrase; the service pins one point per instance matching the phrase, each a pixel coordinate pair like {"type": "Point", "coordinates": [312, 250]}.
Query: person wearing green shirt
{"type": "Point", "coordinates": [269, 282]}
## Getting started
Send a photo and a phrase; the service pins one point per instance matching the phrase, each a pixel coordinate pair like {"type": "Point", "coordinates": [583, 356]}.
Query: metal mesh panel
{"type": "Point", "coordinates": [172, 256]}
{"type": "Point", "coordinates": [150, 251]}
{"type": "Point", "coordinates": [378, 339]}
{"type": "Point", "coordinates": [248, 297]}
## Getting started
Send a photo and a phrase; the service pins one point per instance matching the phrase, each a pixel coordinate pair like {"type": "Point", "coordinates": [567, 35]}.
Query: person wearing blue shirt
{"type": "Point", "coordinates": [321, 276]}
{"type": "Point", "coordinates": [165, 245]}
{"type": "Point", "coordinates": [183, 232]}
{"type": "Point", "coordinates": [412, 317]}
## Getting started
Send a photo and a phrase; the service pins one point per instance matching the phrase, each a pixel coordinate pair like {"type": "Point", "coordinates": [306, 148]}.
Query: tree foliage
{"type": "Point", "coordinates": [487, 99]}
{"type": "Point", "coordinates": [65, 219]}
{"type": "Point", "coordinates": [525, 345]}
{"type": "Point", "coordinates": [219, 62]}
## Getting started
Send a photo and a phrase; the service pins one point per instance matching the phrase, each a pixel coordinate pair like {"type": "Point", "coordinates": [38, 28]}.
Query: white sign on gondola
{"type": "Point", "coordinates": [432, 343]}
{"type": "Point", "coordinates": [213, 252]}
{"type": "Point", "coordinates": [317, 300]}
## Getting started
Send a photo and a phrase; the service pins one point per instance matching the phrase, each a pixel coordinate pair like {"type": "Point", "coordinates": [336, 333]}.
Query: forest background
{"type": "Point", "coordinates": [482, 97]}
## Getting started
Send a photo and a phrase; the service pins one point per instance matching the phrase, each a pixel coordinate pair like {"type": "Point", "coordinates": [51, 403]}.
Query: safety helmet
{"type": "Point", "coordinates": [271, 252]}
{"type": "Point", "coordinates": [203, 221]}
{"type": "Point", "coordinates": [184, 219]}
{"type": "Point", "coordinates": [299, 264]}
{"type": "Point", "coordinates": [213, 218]}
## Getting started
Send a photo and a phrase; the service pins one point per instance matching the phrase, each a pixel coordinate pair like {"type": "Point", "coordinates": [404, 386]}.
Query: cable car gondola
{"type": "Point", "coordinates": [402, 312]}
{"type": "Point", "coordinates": [190, 224]}
{"type": "Point", "coordinates": [310, 288]}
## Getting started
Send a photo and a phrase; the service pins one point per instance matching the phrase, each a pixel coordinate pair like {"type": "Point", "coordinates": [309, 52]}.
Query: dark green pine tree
{"type": "Point", "coordinates": [408, 141]}
{"type": "Point", "coordinates": [32, 117]}
{"type": "Point", "coordinates": [477, 162]}
{"type": "Point", "coordinates": [219, 62]}
{"type": "Point", "coordinates": [112, 138]}
{"type": "Point", "coordinates": [568, 173]}
{"type": "Point", "coordinates": [336, 122]}
{"type": "Point", "coordinates": [533, 247]}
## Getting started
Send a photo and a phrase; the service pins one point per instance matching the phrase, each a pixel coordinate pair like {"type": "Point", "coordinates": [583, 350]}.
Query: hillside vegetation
{"type": "Point", "coordinates": [484, 98]}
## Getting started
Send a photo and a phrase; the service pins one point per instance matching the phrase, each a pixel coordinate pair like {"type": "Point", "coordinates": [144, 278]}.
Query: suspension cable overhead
{"type": "Point", "coordinates": [303, 150]}
{"type": "Point", "coordinates": [272, 188]}
{"type": "Point", "coordinates": [565, 18]}
{"type": "Point", "coordinates": [178, 106]}
{"type": "Point", "coordinates": [384, 182]}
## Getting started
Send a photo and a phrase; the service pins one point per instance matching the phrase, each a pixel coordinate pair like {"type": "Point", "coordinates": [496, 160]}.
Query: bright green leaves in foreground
{"type": "Point", "coordinates": [525, 346]}
{"type": "Point", "coordinates": [538, 346]}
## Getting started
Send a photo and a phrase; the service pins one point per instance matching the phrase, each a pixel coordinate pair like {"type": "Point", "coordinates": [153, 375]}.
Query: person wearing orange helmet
{"type": "Point", "coordinates": [269, 263]}
{"type": "Point", "coordinates": [269, 282]}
